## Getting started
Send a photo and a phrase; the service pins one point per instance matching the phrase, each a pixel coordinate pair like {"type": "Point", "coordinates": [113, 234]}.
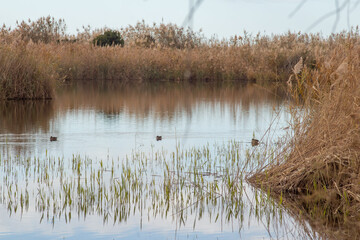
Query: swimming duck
{"type": "Point", "coordinates": [53, 138]}
{"type": "Point", "coordinates": [254, 142]}
{"type": "Point", "coordinates": [158, 138]}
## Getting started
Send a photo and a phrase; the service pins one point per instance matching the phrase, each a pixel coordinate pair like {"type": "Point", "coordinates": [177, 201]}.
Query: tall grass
{"type": "Point", "coordinates": [25, 73]}
{"type": "Point", "coordinates": [151, 53]}
{"type": "Point", "coordinates": [133, 64]}
{"type": "Point", "coordinates": [320, 167]}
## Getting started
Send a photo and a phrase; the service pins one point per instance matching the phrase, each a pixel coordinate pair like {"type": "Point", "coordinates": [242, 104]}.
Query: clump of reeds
{"type": "Point", "coordinates": [320, 168]}
{"type": "Point", "coordinates": [25, 73]}
{"type": "Point", "coordinates": [162, 35]}
{"type": "Point", "coordinates": [45, 29]}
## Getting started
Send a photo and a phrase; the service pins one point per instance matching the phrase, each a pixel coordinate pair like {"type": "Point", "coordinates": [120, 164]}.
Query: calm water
{"type": "Point", "coordinates": [113, 123]}
{"type": "Point", "coordinates": [98, 123]}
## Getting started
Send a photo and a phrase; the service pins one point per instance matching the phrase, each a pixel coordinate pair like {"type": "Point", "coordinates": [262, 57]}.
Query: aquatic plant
{"type": "Point", "coordinates": [186, 185]}
{"type": "Point", "coordinates": [202, 180]}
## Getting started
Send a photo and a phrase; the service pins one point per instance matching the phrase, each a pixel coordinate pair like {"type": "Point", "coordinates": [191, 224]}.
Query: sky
{"type": "Point", "coordinates": [222, 18]}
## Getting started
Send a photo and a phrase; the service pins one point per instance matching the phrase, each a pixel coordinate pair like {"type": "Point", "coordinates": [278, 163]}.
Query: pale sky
{"type": "Point", "coordinates": [224, 18]}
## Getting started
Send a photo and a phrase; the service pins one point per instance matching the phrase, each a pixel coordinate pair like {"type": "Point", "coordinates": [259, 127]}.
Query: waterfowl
{"type": "Point", "coordinates": [254, 142]}
{"type": "Point", "coordinates": [158, 138]}
{"type": "Point", "coordinates": [53, 138]}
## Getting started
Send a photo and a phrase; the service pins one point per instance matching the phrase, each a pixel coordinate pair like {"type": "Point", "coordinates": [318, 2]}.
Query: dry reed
{"type": "Point", "coordinates": [25, 73]}
{"type": "Point", "coordinates": [173, 54]}
{"type": "Point", "coordinates": [320, 169]}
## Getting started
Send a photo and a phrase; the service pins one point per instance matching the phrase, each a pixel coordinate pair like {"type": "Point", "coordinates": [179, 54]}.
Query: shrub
{"type": "Point", "coordinates": [109, 38]}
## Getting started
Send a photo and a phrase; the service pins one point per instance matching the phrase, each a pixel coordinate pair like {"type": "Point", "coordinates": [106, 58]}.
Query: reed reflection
{"type": "Point", "coordinates": [21, 123]}
{"type": "Point", "coordinates": [17, 117]}
{"type": "Point", "coordinates": [83, 115]}
{"type": "Point", "coordinates": [163, 101]}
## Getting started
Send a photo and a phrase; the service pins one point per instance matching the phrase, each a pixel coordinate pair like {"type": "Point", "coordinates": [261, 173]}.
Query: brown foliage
{"type": "Point", "coordinates": [320, 167]}
{"type": "Point", "coordinates": [26, 73]}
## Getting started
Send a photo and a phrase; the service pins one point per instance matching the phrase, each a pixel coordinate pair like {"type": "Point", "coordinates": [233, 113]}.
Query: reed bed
{"type": "Point", "coordinates": [43, 52]}
{"type": "Point", "coordinates": [318, 173]}
{"type": "Point", "coordinates": [132, 64]}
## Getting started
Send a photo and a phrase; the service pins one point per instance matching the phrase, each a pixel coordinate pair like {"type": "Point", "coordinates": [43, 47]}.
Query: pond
{"type": "Point", "coordinates": [107, 175]}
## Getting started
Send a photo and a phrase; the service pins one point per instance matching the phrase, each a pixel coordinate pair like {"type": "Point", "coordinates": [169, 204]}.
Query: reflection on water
{"type": "Point", "coordinates": [194, 193]}
{"type": "Point", "coordinates": [19, 117]}
{"type": "Point", "coordinates": [107, 177]}
{"type": "Point", "coordinates": [112, 121]}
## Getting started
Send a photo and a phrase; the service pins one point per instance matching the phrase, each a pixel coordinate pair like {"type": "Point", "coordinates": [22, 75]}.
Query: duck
{"type": "Point", "coordinates": [52, 139]}
{"type": "Point", "coordinates": [158, 138]}
{"type": "Point", "coordinates": [254, 142]}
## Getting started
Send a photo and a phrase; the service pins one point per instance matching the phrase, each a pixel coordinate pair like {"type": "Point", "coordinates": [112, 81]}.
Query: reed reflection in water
{"type": "Point", "coordinates": [110, 121]}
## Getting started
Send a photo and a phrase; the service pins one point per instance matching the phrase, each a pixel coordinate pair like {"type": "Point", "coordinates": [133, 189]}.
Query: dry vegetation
{"type": "Point", "coordinates": [37, 53]}
{"type": "Point", "coordinates": [320, 167]}
{"type": "Point", "coordinates": [25, 73]}
{"type": "Point", "coordinates": [320, 170]}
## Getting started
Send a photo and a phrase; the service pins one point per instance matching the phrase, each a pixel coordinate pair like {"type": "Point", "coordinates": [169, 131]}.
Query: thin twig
{"type": "Point", "coordinates": [298, 7]}
{"type": "Point", "coordinates": [327, 15]}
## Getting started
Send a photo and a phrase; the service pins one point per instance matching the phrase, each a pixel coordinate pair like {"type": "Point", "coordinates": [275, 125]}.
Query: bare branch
{"type": "Point", "coordinates": [192, 11]}
{"type": "Point", "coordinates": [348, 16]}
{"type": "Point", "coordinates": [298, 7]}
{"type": "Point", "coordinates": [336, 12]}
{"type": "Point", "coordinates": [337, 15]}
{"type": "Point", "coordinates": [327, 15]}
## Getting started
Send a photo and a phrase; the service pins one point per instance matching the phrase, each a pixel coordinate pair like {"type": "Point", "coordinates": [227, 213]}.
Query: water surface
{"type": "Point", "coordinates": [99, 128]}
{"type": "Point", "coordinates": [111, 122]}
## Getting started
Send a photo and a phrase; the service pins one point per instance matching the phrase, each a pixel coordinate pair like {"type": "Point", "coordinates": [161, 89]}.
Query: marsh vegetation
{"type": "Point", "coordinates": [309, 173]}
{"type": "Point", "coordinates": [183, 187]}
{"type": "Point", "coordinates": [50, 57]}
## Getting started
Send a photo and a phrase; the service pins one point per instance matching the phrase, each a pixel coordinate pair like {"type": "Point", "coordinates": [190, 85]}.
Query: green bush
{"type": "Point", "coordinates": [109, 38]}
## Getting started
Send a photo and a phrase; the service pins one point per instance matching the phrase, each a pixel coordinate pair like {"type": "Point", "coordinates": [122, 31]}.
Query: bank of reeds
{"type": "Point", "coordinates": [36, 52]}
{"type": "Point", "coordinates": [319, 170]}
{"type": "Point", "coordinates": [132, 64]}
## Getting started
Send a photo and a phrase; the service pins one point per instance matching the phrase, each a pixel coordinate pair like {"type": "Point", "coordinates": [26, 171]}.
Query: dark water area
{"type": "Point", "coordinates": [107, 176]}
